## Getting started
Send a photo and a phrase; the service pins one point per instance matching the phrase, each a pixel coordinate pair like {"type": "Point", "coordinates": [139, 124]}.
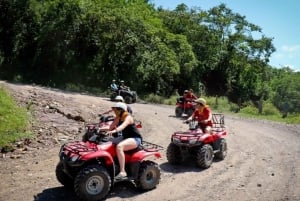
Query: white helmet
{"type": "Point", "coordinates": [119, 98]}
{"type": "Point", "coordinates": [121, 105]}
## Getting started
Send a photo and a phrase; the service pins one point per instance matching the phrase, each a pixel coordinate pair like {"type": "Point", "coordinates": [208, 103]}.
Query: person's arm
{"type": "Point", "coordinates": [191, 117]}
{"type": "Point", "coordinates": [209, 117]}
{"type": "Point", "coordinates": [128, 121]}
{"type": "Point", "coordinates": [114, 124]}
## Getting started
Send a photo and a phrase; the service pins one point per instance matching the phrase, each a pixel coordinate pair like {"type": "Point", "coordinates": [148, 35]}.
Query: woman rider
{"type": "Point", "coordinates": [203, 114]}
{"type": "Point", "coordinates": [131, 137]}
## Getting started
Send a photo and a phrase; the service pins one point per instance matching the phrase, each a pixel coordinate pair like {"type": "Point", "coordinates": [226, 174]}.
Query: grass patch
{"type": "Point", "coordinates": [269, 112]}
{"type": "Point", "coordinates": [14, 120]}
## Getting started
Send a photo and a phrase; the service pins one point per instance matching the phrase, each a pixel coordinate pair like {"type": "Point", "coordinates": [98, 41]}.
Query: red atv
{"type": "Point", "coordinates": [194, 142]}
{"type": "Point", "coordinates": [90, 167]}
{"type": "Point", "coordinates": [184, 107]}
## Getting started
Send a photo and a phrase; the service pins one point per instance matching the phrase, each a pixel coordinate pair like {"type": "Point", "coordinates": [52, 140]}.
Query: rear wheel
{"type": "Point", "coordinates": [149, 175]}
{"type": "Point", "coordinates": [178, 111]}
{"type": "Point", "coordinates": [134, 97]}
{"type": "Point", "coordinates": [128, 99]}
{"type": "Point", "coordinates": [92, 183]}
{"type": "Point", "coordinates": [62, 177]}
{"type": "Point", "coordinates": [174, 154]}
{"type": "Point", "coordinates": [113, 96]}
{"type": "Point", "coordinates": [222, 153]}
{"type": "Point", "coordinates": [205, 156]}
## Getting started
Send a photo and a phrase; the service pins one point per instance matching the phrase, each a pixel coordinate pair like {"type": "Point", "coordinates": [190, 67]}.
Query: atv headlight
{"type": "Point", "coordinates": [176, 140]}
{"type": "Point", "coordinates": [74, 158]}
{"type": "Point", "coordinates": [193, 141]}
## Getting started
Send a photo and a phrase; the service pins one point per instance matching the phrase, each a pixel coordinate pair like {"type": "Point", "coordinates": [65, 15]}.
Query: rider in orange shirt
{"type": "Point", "coordinates": [203, 114]}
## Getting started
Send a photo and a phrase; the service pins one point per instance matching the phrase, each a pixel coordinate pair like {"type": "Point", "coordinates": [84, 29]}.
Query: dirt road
{"type": "Point", "coordinates": [263, 161]}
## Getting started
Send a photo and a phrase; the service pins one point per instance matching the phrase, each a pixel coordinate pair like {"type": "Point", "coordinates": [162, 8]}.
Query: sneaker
{"type": "Point", "coordinates": [121, 176]}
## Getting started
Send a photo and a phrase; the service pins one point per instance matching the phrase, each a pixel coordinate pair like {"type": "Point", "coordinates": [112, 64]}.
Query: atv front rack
{"type": "Point", "coordinates": [77, 147]}
{"type": "Point", "coordinates": [150, 147]}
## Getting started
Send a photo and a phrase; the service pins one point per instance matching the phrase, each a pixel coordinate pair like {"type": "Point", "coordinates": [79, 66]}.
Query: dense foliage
{"type": "Point", "coordinates": [90, 42]}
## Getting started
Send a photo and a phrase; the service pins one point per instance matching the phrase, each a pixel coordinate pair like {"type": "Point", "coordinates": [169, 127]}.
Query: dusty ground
{"type": "Point", "coordinates": [263, 161]}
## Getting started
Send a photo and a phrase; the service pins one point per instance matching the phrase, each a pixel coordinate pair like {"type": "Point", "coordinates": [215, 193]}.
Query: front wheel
{"type": "Point", "coordinates": [113, 96]}
{"type": "Point", "coordinates": [62, 177]}
{"type": "Point", "coordinates": [222, 153]}
{"type": "Point", "coordinates": [205, 156]}
{"type": "Point", "coordinates": [149, 175]}
{"type": "Point", "coordinates": [174, 154]}
{"type": "Point", "coordinates": [178, 111]}
{"type": "Point", "coordinates": [128, 100]}
{"type": "Point", "coordinates": [92, 183]}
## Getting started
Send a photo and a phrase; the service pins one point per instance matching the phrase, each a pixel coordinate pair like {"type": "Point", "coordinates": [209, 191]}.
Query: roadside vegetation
{"type": "Point", "coordinates": [14, 121]}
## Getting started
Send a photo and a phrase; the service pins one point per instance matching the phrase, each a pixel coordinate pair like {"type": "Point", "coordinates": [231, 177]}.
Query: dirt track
{"type": "Point", "coordinates": [263, 161]}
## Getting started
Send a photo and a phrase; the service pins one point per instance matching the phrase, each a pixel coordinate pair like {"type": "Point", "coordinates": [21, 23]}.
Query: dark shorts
{"type": "Point", "coordinates": [120, 138]}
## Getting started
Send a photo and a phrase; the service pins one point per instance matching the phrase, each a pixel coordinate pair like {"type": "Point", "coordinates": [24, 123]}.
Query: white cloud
{"type": "Point", "coordinates": [291, 49]}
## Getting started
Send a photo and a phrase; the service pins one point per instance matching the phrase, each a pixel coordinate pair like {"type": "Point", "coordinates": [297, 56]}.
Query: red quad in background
{"type": "Point", "coordinates": [184, 107]}
{"type": "Point", "coordinates": [90, 167]}
{"type": "Point", "coordinates": [201, 146]}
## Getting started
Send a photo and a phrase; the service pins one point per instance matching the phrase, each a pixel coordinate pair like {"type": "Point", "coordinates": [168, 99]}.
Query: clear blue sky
{"type": "Point", "coordinates": [279, 19]}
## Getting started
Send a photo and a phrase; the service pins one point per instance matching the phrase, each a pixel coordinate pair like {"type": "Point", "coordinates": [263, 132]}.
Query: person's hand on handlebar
{"type": "Point", "coordinates": [111, 132]}
{"type": "Point", "coordinates": [186, 121]}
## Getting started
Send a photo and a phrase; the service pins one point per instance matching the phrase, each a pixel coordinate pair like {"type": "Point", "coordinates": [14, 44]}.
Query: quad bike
{"type": "Point", "coordinates": [128, 95]}
{"type": "Point", "coordinates": [90, 167]}
{"type": "Point", "coordinates": [184, 107]}
{"type": "Point", "coordinates": [194, 142]}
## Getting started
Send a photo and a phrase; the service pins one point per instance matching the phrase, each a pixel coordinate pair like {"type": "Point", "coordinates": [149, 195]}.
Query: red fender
{"type": "Point", "coordinates": [141, 155]}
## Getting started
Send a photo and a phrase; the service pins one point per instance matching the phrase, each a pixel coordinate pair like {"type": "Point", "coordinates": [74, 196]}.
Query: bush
{"type": "Point", "coordinates": [153, 98]}
{"type": "Point", "coordinates": [250, 110]}
{"type": "Point", "coordinates": [218, 103]}
{"type": "Point", "coordinates": [270, 109]}
{"type": "Point", "coordinates": [234, 108]}
{"type": "Point", "coordinates": [170, 101]}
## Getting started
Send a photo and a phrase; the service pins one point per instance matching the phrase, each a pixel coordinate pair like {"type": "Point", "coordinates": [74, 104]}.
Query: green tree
{"type": "Point", "coordinates": [286, 88]}
{"type": "Point", "coordinates": [238, 51]}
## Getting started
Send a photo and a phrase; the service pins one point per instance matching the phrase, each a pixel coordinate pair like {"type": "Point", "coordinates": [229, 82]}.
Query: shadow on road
{"type": "Point", "coordinates": [186, 166]}
{"type": "Point", "coordinates": [56, 194]}
{"type": "Point", "coordinates": [121, 190]}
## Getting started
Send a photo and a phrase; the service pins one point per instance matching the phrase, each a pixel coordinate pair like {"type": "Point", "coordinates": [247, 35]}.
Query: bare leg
{"type": "Point", "coordinates": [124, 145]}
